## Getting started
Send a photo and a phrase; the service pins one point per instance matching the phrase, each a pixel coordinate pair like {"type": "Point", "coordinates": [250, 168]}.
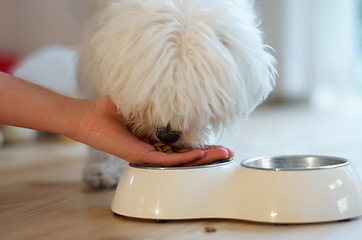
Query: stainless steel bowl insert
{"type": "Point", "coordinates": [295, 162]}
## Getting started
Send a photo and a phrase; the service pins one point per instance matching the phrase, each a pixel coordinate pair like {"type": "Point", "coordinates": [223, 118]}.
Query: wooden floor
{"type": "Point", "coordinates": [42, 195]}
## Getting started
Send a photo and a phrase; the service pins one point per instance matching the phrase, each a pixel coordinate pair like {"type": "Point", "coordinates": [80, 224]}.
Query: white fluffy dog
{"type": "Point", "coordinates": [178, 70]}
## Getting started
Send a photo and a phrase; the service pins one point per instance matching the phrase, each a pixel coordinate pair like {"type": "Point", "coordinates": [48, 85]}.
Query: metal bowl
{"type": "Point", "coordinates": [295, 162]}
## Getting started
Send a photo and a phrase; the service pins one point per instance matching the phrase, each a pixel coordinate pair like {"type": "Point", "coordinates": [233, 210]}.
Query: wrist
{"type": "Point", "coordinates": [73, 113]}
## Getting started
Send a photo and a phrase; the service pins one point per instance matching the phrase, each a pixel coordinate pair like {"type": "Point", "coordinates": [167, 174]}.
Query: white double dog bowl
{"type": "Point", "coordinates": [283, 189]}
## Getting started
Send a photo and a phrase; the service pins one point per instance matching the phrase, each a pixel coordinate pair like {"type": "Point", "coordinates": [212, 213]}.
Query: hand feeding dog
{"type": "Point", "coordinates": [177, 70]}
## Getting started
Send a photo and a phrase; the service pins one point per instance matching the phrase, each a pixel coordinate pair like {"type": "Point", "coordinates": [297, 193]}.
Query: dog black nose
{"type": "Point", "coordinates": [167, 135]}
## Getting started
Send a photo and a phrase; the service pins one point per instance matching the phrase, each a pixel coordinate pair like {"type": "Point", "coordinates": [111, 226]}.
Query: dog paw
{"type": "Point", "coordinates": [104, 174]}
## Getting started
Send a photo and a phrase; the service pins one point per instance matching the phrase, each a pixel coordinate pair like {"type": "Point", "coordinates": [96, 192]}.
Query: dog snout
{"type": "Point", "coordinates": [167, 135]}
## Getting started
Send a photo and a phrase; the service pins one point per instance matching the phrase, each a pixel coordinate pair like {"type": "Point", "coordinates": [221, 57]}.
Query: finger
{"type": "Point", "coordinates": [211, 156]}
{"type": "Point", "coordinates": [231, 153]}
{"type": "Point", "coordinates": [173, 159]}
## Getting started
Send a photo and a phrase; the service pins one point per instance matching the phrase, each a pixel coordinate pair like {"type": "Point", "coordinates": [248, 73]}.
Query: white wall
{"type": "Point", "coordinates": [313, 39]}
{"type": "Point", "coordinates": [315, 43]}
{"type": "Point", "coordinates": [26, 25]}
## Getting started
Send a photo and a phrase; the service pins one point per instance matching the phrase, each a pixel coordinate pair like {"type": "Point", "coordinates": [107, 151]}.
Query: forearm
{"type": "Point", "coordinates": [27, 105]}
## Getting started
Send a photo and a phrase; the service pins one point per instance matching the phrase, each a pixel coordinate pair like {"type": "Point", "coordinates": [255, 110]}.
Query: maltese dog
{"type": "Point", "coordinates": [178, 71]}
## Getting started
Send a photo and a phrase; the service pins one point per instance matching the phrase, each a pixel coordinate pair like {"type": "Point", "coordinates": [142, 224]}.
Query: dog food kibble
{"type": "Point", "coordinates": [182, 150]}
{"type": "Point", "coordinates": [159, 144]}
{"type": "Point", "coordinates": [165, 148]}
{"type": "Point", "coordinates": [210, 229]}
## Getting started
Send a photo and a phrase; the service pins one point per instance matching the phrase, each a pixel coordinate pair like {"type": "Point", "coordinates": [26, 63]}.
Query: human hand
{"type": "Point", "coordinates": [101, 127]}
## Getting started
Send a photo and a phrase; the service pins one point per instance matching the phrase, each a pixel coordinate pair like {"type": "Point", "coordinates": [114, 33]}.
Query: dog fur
{"type": "Point", "coordinates": [197, 67]}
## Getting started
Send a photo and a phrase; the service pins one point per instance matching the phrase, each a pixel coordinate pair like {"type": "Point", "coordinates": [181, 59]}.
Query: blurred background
{"type": "Point", "coordinates": [315, 109]}
{"type": "Point", "coordinates": [317, 44]}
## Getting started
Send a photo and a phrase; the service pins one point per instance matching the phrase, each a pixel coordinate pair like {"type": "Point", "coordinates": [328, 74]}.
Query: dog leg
{"type": "Point", "coordinates": [103, 170]}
